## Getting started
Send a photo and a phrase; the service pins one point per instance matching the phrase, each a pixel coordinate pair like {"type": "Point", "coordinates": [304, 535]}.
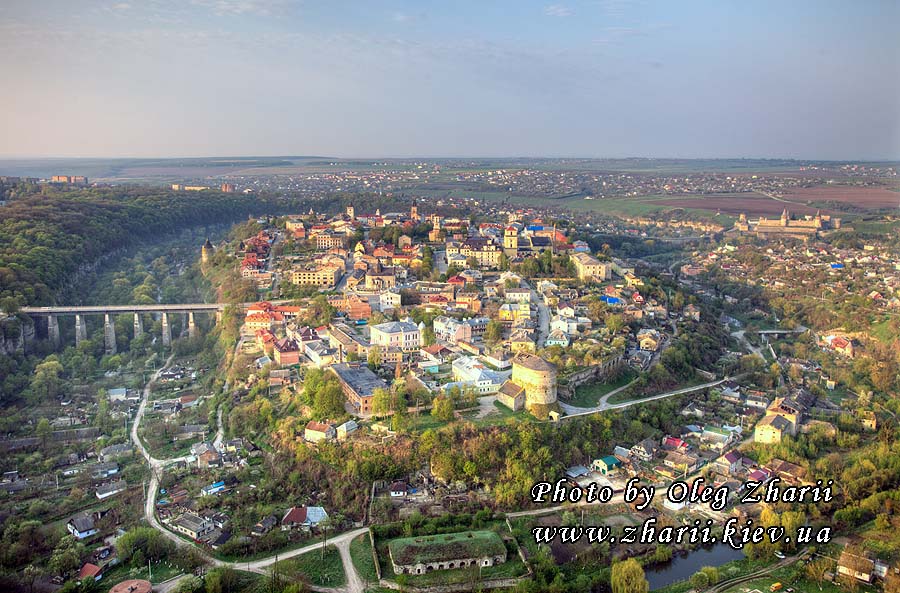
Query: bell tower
{"type": "Point", "coordinates": [511, 239]}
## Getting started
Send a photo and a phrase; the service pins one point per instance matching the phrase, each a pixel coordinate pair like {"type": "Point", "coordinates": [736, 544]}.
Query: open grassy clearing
{"type": "Point", "coordinates": [588, 395]}
{"type": "Point", "coordinates": [363, 561]}
{"type": "Point", "coordinates": [314, 569]}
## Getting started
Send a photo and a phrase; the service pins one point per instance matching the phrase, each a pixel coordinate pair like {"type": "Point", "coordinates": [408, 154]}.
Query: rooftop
{"type": "Point", "coordinates": [360, 379]}
{"type": "Point", "coordinates": [533, 362]}
{"type": "Point", "coordinates": [451, 546]}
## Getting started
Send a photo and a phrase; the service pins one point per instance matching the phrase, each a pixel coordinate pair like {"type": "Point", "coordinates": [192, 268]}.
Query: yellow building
{"type": "Point", "coordinates": [771, 429]}
{"type": "Point", "coordinates": [590, 269]}
{"type": "Point", "coordinates": [511, 240]}
{"type": "Point", "coordinates": [632, 280]}
{"type": "Point", "coordinates": [520, 341]}
{"type": "Point", "coordinates": [322, 277]}
{"type": "Point", "coordinates": [513, 312]}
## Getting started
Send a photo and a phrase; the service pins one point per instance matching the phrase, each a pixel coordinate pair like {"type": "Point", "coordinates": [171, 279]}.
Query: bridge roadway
{"type": "Point", "coordinates": [101, 309]}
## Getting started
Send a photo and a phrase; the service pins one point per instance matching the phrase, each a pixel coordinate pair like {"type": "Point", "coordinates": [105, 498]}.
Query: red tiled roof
{"type": "Point", "coordinates": [89, 570]}
{"type": "Point", "coordinates": [318, 426]}
{"type": "Point", "coordinates": [294, 515]}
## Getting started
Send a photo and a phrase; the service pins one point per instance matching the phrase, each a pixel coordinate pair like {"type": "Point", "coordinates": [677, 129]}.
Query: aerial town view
{"type": "Point", "coordinates": [574, 370]}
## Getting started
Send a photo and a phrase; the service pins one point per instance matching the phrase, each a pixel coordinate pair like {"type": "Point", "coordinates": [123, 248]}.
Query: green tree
{"type": "Point", "coordinates": [43, 430]}
{"type": "Point", "coordinates": [67, 555]}
{"type": "Point", "coordinates": [442, 408]}
{"type": "Point", "coordinates": [614, 323]}
{"type": "Point", "coordinates": [375, 358]}
{"type": "Point", "coordinates": [818, 568]}
{"type": "Point", "coordinates": [46, 381]}
{"type": "Point", "coordinates": [493, 333]}
{"type": "Point", "coordinates": [9, 305]}
{"type": "Point", "coordinates": [628, 577]}
{"type": "Point", "coordinates": [190, 584]}
{"type": "Point", "coordinates": [712, 574]}
{"type": "Point", "coordinates": [328, 401]}
{"type": "Point", "coordinates": [428, 337]}
{"type": "Point", "coordinates": [381, 402]}
{"type": "Point", "coordinates": [699, 580]}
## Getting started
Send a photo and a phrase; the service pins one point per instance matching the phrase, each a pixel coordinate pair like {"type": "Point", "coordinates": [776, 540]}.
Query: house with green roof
{"type": "Point", "coordinates": [606, 465]}
{"type": "Point", "coordinates": [447, 551]}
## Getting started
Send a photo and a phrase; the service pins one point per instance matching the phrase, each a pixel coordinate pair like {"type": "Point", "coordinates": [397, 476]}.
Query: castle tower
{"type": "Point", "coordinates": [784, 217]}
{"type": "Point", "coordinates": [351, 212]}
{"type": "Point", "coordinates": [207, 251]}
{"type": "Point", "coordinates": [818, 219]}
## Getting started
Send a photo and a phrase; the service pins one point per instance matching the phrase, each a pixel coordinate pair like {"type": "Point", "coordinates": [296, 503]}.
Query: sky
{"type": "Point", "coordinates": [808, 79]}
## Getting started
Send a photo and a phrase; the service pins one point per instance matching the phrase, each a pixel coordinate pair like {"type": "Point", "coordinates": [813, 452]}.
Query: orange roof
{"type": "Point", "coordinates": [318, 426]}
{"type": "Point", "coordinates": [88, 570]}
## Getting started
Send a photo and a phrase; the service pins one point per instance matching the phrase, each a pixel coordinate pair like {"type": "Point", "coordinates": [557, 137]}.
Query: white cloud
{"type": "Point", "coordinates": [121, 6]}
{"type": "Point", "coordinates": [557, 10]}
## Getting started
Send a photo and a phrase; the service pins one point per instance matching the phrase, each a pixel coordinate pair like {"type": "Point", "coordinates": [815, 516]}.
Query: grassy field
{"type": "Point", "coordinates": [499, 415]}
{"type": "Point", "coordinates": [161, 572]}
{"type": "Point", "coordinates": [312, 568]}
{"type": "Point", "coordinates": [588, 395]}
{"type": "Point", "coordinates": [361, 553]}
{"type": "Point", "coordinates": [628, 394]}
{"type": "Point", "coordinates": [883, 332]}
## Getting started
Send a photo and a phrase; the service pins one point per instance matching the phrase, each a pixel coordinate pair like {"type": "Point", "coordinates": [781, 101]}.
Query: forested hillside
{"type": "Point", "coordinates": [46, 237]}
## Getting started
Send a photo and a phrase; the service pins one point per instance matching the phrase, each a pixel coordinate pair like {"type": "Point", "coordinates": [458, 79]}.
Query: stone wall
{"type": "Point", "coordinates": [608, 369]}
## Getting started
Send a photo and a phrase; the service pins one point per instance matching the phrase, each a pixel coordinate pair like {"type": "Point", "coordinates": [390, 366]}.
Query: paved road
{"type": "Point", "coordinates": [220, 432]}
{"type": "Point", "coordinates": [157, 466]}
{"type": "Point", "coordinates": [602, 403]}
{"type": "Point", "coordinates": [573, 411]}
{"type": "Point", "coordinates": [746, 343]}
{"type": "Point", "coordinates": [543, 314]}
{"type": "Point", "coordinates": [440, 260]}
{"type": "Point", "coordinates": [100, 309]}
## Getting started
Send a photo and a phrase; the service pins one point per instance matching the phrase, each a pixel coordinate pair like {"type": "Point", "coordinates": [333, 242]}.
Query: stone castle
{"type": "Point", "coordinates": [806, 228]}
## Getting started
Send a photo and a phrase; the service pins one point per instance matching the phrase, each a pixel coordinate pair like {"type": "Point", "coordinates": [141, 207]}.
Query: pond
{"type": "Point", "coordinates": [681, 568]}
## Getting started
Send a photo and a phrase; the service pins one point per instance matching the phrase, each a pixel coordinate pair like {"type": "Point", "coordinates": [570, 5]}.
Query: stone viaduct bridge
{"type": "Point", "coordinates": [80, 312]}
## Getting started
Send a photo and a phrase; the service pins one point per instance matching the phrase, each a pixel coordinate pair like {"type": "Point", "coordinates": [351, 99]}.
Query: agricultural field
{"type": "Point", "coordinates": [865, 197]}
{"type": "Point", "coordinates": [751, 204]}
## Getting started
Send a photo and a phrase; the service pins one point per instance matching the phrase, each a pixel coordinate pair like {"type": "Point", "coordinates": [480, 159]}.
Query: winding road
{"type": "Point", "coordinates": [354, 583]}
{"type": "Point", "coordinates": [603, 404]}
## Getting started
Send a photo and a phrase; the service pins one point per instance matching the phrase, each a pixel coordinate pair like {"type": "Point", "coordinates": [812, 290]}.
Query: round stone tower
{"type": "Point", "coordinates": [538, 378]}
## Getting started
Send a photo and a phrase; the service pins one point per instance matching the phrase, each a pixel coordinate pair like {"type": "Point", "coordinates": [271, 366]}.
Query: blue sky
{"type": "Point", "coordinates": [602, 78]}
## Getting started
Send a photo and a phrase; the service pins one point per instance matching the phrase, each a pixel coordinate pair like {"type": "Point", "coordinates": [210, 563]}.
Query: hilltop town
{"type": "Point", "coordinates": [371, 379]}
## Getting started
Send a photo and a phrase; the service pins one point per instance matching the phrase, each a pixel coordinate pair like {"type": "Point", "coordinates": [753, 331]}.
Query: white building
{"type": "Point", "coordinates": [471, 373]}
{"type": "Point", "coordinates": [404, 335]}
